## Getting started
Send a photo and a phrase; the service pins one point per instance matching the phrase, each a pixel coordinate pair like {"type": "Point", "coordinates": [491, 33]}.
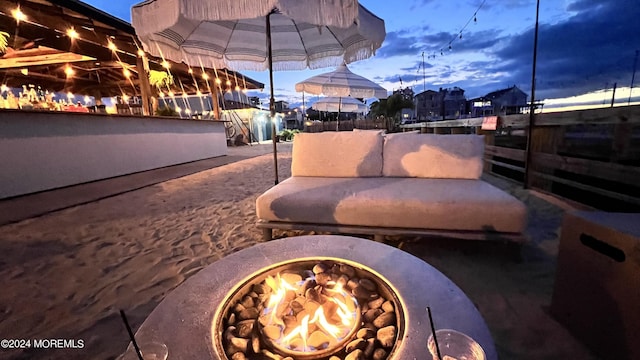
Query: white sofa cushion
{"type": "Point", "coordinates": [433, 156]}
{"type": "Point", "coordinates": [441, 204]}
{"type": "Point", "coordinates": [337, 154]}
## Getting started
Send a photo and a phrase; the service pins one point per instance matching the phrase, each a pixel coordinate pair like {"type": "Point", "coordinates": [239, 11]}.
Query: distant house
{"type": "Point", "coordinates": [428, 105]}
{"type": "Point", "coordinates": [454, 103]}
{"type": "Point", "coordinates": [281, 106]}
{"type": "Point", "coordinates": [507, 101]}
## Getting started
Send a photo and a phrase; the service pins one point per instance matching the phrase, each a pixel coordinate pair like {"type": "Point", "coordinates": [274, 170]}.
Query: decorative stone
{"type": "Point", "coordinates": [371, 346]}
{"type": "Point", "coordinates": [323, 278]}
{"type": "Point", "coordinates": [260, 288]}
{"type": "Point", "coordinates": [248, 302]}
{"type": "Point", "coordinates": [386, 336]}
{"type": "Point", "coordinates": [249, 313]}
{"type": "Point", "coordinates": [244, 328]}
{"type": "Point", "coordinates": [385, 319]}
{"type": "Point", "coordinates": [272, 332]}
{"type": "Point", "coordinates": [355, 355]}
{"type": "Point", "coordinates": [368, 284]}
{"type": "Point", "coordinates": [347, 270]}
{"type": "Point", "coordinates": [320, 268]}
{"type": "Point", "coordinates": [365, 334]}
{"type": "Point", "coordinates": [318, 340]}
{"type": "Point", "coordinates": [238, 356]}
{"type": "Point", "coordinates": [351, 284]}
{"type": "Point", "coordinates": [380, 354]}
{"type": "Point", "coordinates": [387, 306]}
{"type": "Point", "coordinates": [356, 344]}
{"type": "Point", "coordinates": [376, 304]}
{"type": "Point", "coordinates": [291, 278]}
{"type": "Point", "coordinates": [362, 293]}
{"type": "Point", "coordinates": [372, 314]}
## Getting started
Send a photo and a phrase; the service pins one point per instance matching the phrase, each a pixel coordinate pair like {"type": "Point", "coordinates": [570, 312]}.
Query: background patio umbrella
{"type": "Point", "coordinates": [259, 35]}
{"type": "Point", "coordinates": [339, 104]}
{"type": "Point", "coordinates": [342, 83]}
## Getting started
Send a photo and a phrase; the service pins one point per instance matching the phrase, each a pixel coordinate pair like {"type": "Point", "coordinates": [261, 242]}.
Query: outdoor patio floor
{"type": "Point", "coordinates": [84, 252]}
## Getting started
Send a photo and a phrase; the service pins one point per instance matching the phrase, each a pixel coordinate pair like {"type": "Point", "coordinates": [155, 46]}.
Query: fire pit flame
{"type": "Point", "coordinates": [306, 319]}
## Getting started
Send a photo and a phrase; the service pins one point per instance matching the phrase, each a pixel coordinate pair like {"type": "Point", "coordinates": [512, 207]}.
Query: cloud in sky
{"type": "Point", "coordinates": [594, 46]}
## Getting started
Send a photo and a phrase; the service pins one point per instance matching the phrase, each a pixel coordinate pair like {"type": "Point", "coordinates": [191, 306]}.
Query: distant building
{"type": "Point", "coordinates": [428, 105]}
{"type": "Point", "coordinates": [507, 101]}
{"type": "Point", "coordinates": [254, 101]}
{"type": "Point", "coordinates": [281, 106]}
{"type": "Point", "coordinates": [407, 93]}
{"type": "Point", "coordinates": [454, 103]}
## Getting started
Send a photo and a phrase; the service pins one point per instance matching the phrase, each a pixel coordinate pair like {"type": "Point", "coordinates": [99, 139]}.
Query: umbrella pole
{"type": "Point", "coordinates": [272, 108]}
{"type": "Point", "coordinates": [339, 108]}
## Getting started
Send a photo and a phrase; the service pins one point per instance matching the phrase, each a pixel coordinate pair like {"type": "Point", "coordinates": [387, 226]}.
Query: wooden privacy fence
{"type": "Point", "coordinates": [589, 156]}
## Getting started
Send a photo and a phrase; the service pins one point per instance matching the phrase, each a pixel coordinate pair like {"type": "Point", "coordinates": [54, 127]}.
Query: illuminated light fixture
{"type": "Point", "coordinates": [218, 81]}
{"type": "Point", "coordinates": [198, 93]}
{"type": "Point", "coordinates": [245, 90]}
{"type": "Point", "coordinates": [188, 111]}
{"type": "Point", "coordinates": [190, 71]}
{"type": "Point", "coordinates": [171, 94]}
{"type": "Point", "coordinates": [72, 33]}
{"type": "Point", "coordinates": [24, 71]}
{"type": "Point", "coordinates": [69, 71]}
{"type": "Point", "coordinates": [69, 95]}
{"type": "Point", "coordinates": [125, 97]}
{"type": "Point", "coordinates": [87, 99]}
{"type": "Point", "coordinates": [237, 88]}
{"type": "Point", "coordinates": [126, 73]}
{"type": "Point", "coordinates": [112, 46]}
{"type": "Point", "coordinates": [178, 109]}
{"type": "Point", "coordinates": [18, 14]}
{"type": "Point", "coordinates": [141, 53]}
{"type": "Point", "coordinates": [205, 76]}
{"type": "Point", "coordinates": [4, 88]}
{"type": "Point", "coordinates": [184, 95]}
{"type": "Point", "coordinates": [228, 83]}
{"type": "Point", "coordinates": [165, 64]}
{"type": "Point", "coordinates": [161, 94]}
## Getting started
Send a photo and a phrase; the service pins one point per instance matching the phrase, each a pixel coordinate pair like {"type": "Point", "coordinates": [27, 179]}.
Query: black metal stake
{"type": "Point", "coordinates": [133, 339]}
{"type": "Point", "coordinates": [433, 332]}
{"type": "Point", "coordinates": [532, 108]}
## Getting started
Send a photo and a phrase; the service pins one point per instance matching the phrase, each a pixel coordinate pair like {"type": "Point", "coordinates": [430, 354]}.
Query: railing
{"type": "Point", "coordinates": [348, 125]}
{"type": "Point", "coordinates": [589, 156]}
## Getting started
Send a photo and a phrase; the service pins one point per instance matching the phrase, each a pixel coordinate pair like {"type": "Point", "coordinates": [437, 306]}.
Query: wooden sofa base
{"type": "Point", "coordinates": [380, 232]}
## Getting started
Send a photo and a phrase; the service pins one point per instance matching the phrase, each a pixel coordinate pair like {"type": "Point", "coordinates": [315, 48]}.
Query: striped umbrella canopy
{"type": "Point", "coordinates": [342, 82]}
{"type": "Point", "coordinates": [340, 104]}
{"type": "Point", "coordinates": [258, 35]}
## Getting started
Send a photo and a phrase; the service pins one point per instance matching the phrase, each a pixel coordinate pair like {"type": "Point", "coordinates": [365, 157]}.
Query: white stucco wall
{"type": "Point", "coordinates": [42, 151]}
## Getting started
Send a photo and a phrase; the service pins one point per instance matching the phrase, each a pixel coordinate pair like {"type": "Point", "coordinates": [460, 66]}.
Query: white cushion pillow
{"type": "Point", "coordinates": [433, 156]}
{"type": "Point", "coordinates": [338, 154]}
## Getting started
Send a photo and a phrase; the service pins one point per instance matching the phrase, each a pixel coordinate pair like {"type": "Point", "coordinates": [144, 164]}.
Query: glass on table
{"type": "Point", "coordinates": [150, 351]}
{"type": "Point", "coordinates": [455, 345]}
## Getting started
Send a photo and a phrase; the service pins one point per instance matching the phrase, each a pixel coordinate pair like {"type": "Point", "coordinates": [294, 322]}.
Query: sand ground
{"type": "Point", "coordinates": [67, 273]}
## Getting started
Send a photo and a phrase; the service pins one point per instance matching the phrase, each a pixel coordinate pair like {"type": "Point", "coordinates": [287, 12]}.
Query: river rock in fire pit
{"type": "Point", "coordinates": [386, 336]}
{"type": "Point", "coordinates": [356, 355]}
{"type": "Point", "coordinates": [244, 328]}
{"type": "Point", "coordinates": [385, 319]}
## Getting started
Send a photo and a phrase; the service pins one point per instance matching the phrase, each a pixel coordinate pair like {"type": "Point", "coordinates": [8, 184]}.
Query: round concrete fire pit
{"type": "Point", "coordinates": [187, 320]}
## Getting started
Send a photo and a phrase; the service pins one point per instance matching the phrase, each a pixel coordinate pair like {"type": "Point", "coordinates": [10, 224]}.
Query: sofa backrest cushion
{"type": "Point", "coordinates": [338, 154]}
{"type": "Point", "coordinates": [433, 156]}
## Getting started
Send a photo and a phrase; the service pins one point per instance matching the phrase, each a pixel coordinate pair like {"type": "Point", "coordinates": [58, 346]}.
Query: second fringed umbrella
{"type": "Point", "coordinates": [259, 35]}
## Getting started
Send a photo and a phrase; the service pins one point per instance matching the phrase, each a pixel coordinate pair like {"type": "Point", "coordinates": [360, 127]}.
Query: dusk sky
{"type": "Point", "coordinates": [584, 46]}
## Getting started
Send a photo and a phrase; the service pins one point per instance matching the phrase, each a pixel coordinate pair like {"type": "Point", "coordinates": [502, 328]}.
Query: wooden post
{"type": "Point", "coordinates": [621, 141]}
{"type": "Point", "coordinates": [489, 140]}
{"type": "Point", "coordinates": [145, 87]}
{"type": "Point", "coordinates": [544, 139]}
{"type": "Point", "coordinates": [216, 103]}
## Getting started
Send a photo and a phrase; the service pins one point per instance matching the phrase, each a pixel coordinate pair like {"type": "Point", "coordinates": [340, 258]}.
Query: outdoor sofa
{"type": "Point", "coordinates": [365, 182]}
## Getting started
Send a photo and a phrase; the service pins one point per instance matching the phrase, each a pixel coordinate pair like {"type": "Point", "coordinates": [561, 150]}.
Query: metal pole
{"type": "Point", "coordinates": [613, 96]}
{"type": "Point", "coordinates": [532, 107]}
{"type": "Point", "coordinates": [272, 105]}
{"type": "Point", "coordinates": [633, 77]}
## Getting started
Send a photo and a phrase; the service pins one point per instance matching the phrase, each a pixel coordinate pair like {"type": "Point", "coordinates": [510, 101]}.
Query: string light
{"type": "Point", "coordinates": [126, 73]}
{"type": "Point", "coordinates": [69, 71]}
{"type": "Point", "coordinates": [18, 14]}
{"type": "Point", "coordinates": [72, 33]}
{"type": "Point", "coordinates": [140, 52]}
{"type": "Point", "coordinates": [112, 46]}
{"type": "Point", "coordinates": [474, 17]}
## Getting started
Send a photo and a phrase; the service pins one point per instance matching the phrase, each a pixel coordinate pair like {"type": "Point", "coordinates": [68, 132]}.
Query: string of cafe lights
{"type": "Point", "coordinates": [458, 36]}
{"type": "Point", "coordinates": [73, 35]}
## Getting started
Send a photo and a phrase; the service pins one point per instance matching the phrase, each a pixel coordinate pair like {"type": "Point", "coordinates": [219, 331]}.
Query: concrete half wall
{"type": "Point", "coordinates": [45, 150]}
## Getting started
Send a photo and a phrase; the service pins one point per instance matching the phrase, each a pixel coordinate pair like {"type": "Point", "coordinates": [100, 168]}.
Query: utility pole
{"type": "Point", "coordinates": [633, 77]}
{"type": "Point", "coordinates": [527, 165]}
{"type": "Point", "coordinates": [424, 79]}
{"type": "Point", "coordinates": [613, 96]}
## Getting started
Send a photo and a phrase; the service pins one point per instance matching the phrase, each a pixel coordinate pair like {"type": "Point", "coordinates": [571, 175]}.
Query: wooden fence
{"type": "Point", "coordinates": [589, 156]}
{"type": "Point", "coordinates": [348, 125]}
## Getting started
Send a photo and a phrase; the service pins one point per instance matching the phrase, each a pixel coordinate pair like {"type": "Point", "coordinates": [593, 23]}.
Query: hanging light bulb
{"type": "Point", "coordinates": [449, 47]}
{"type": "Point", "coordinates": [69, 71]}
{"type": "Point", "coordinates": [18, 14]}
{"type": "Point", "coordinates": [171, 94]}
{"type": "Point", "coordinates": [205, 76]}
{"type": "Point", "coordinates": [237, 88]}
{"type": "Point", "coordinates": [198, 93]}
{"type": "Point", "coordinates": [141, 53]}
{"type": "Point", "coordinates": [72, 33]}
{"type": "Point", "coordinates": [165, 64]}
{"type": "Point", "coordinates": [475, 19]}
{"type": "Point", "coordinates": [126, 73]}
{"type": "Point", "coordinates": [218, 81]}
{"type": "Point", "coordinates": [125, 97]}
{"type": "Point", "coordinates": [190, 71]}
{"type": "Point", "coordinates": [112, 46]}
{"type": "Point", "coordinates": [228, 82]}
{"type": "Point", "coordinates": [178, 109]}
{"type": "Point", "coordinates": [460, 35]}
{"type": "Point", "coordinates": [161, 94]}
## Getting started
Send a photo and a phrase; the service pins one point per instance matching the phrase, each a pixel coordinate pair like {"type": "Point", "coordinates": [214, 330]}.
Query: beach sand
{"type": "Point", "coordinates": [65, 275]}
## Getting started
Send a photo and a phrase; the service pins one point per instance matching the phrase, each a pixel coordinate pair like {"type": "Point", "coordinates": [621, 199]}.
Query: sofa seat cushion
{"type": "Point", "coordinates": [442, 204]}
{"type": "Point", "coordinates": [338, 154]}
{"type": "Point", "coordinates": [433, 156]}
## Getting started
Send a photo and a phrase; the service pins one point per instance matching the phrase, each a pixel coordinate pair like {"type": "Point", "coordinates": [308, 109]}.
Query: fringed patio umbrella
{"type": "Point", "coordinates": [259, 35]}
{"type": "Point", "coordinates": [342, 83]}
{"type": "Point", "coordinates": [339, 104]}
